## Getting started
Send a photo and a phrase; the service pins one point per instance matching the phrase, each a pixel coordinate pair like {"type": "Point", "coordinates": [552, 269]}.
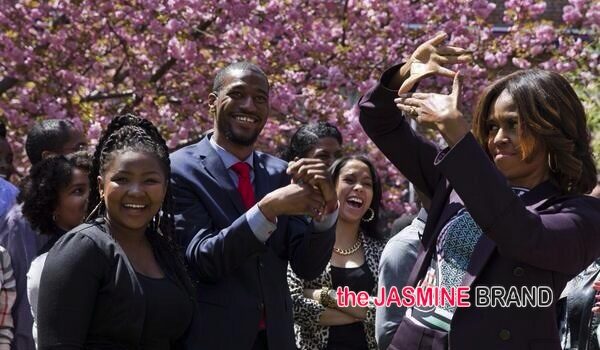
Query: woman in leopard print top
{"type": "Point", "coordinates": [354, 264]}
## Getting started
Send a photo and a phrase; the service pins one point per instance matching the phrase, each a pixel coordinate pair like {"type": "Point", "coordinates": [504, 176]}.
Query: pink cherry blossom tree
{"type": "Point", "coordinates": [90, 60]}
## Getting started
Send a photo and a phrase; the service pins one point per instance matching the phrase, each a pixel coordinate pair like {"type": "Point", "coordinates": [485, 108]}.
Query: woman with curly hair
{"type": "Point", "coordinates": [54, 197]}
{"type": "Point", "coordinates": [118, 281]}
{"type": "Point", "coordinates": [320, 323]}
{"type": "Point", "coordinates": [507, 199]}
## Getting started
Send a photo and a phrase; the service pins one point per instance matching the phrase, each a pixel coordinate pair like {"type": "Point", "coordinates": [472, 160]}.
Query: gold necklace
{"type": "Point", "coordinates": [356, 246]}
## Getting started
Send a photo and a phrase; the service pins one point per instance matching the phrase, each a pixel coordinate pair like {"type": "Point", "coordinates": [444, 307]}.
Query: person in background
{"type": "Point", "coordinates": [118, 281]}
{"type": "Point", "coordinates": [45, 138]}
{"type": "Point", "coordinates": [8, 192]}
{"type": "Point", "coordinates": [54, 201]}
{"type": "Point", "coordinates": [316, 140]}
{"type": "Point", "coordinates": [7, 168]}
{"type": "Point", "coordinates": [319, 322]}
{"type": "Point", "coordinates": [7, 299]}
{"type": "Point", "coordinates": [396, 263]}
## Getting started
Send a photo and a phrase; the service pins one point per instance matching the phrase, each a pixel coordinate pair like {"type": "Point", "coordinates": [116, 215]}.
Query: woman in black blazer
{"type": "Point", "coordinates": [118, 281]}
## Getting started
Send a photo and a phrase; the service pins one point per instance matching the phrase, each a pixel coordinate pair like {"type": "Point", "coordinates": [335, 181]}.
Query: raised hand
{"type": "Point", "coordinates": [439, 110]}
{"type": "Point", "coordinates": [293, 199]}
{"type": "Point", "coordinates": [315, 172]}
{"type": "Point", "coordinates": [429, 58]}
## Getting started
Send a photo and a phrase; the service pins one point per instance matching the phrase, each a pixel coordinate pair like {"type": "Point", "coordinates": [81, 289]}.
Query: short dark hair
{"type": "Point", "coordinates": [40, 190]}
{"type": "Point", "coordinates": [307, 136]}
{"type": "Point", "coordinates": [48, 135]}
{"type": "Point", "coordinates": [243, 66]}
{"type": "Point", "coordinates": [370, 228]}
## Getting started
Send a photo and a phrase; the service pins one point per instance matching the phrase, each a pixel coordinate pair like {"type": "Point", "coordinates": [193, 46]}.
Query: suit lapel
{"type": "Point", "coordinates": [213, 165]}
{"type": "Point", "coordinates": [261, 179]}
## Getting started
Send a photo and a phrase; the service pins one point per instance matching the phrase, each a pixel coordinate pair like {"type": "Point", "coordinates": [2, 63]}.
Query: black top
{"type": "Point", "coordinates": [350, 336]}
{"type": "Point", "coordinates": [92, 298]}
{"type": "Point", "coordinates": [167, 313]}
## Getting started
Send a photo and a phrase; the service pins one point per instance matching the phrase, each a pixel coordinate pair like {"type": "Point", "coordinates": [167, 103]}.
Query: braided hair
{"type": "Point", "coordinates": [131, 133]}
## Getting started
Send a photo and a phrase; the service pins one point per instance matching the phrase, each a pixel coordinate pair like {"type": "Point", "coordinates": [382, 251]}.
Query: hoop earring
{"type": "Point", "coordinates": [371, 215]}
{"type": "Point", "coordinates": [95, 210]}
{"type": "Point", "coordinates": [552, 168]}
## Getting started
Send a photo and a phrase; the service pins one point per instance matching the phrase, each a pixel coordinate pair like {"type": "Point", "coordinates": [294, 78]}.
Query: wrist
{"type": "Point", "coordinates": [331, 206]}
{"type": "Point", "coordinates": [267, 207]}
{"type": "Point", "coordinates": [453, 129]}
{"type": "Point", "coordinates": [327, 298]}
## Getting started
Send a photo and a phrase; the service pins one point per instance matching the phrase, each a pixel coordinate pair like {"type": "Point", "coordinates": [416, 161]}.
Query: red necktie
{"type": "Point", "coordinates": [242, 169]}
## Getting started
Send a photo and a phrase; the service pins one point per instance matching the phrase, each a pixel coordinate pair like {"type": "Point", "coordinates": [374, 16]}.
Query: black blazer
{"type": "Point", "coordinates": [239, 276]}
{"type": "Point", "coordinates": [90, 296]}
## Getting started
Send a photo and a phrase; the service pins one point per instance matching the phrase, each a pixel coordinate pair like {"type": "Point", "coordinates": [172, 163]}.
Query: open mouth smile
{"type": "Point", "coordinates": [355, 202]}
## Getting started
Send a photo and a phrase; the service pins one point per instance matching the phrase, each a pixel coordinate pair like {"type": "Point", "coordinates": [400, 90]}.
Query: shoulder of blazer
{"type": "Point", "coordinates": [185, 154]}
{"type": "Point", "coordinates": [96, 233]}
{"type": "Point", "coordinates": [271, 163]}
{"type": "Point", "coordinates": [579, 201]}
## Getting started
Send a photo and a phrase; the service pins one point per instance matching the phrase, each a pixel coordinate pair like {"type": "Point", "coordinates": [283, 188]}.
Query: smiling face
{"type": "Point", "coordinates": [134, 187]}
{"type": "Point", "coordinates": [72, 201]}
{"type": "Point", "coordinates": [505, 148]}
{"type": "Point", "coordinates": [354, 187]}
{"type": "Point", "coordinates": [240, 108]}
{"type": "Point", "coordinates": [327, 149]}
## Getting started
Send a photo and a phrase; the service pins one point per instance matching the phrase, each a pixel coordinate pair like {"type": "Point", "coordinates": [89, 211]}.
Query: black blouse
{"type": "Point", "coordinates": [167, 317]}
{"type": "Point", "coordinates": [350, 336]}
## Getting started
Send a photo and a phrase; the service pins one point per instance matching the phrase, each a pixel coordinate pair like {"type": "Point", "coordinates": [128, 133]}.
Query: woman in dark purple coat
{"type": "Point", "coordinates": [507, 209]}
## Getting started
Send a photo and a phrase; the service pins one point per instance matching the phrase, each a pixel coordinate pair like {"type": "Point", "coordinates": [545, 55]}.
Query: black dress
{"type": "Point", "coordinates": [350, 336]}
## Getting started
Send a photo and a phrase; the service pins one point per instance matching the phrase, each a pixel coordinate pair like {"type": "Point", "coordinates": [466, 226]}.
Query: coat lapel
{"type": "Point", "coordinates": [213, 165]}
{"type": "Point", "coordinates": [261, 179]}
{"type": "Point", "coordinates": [430, 233]}
{"type": "Point", "coordinates": [533, 200]}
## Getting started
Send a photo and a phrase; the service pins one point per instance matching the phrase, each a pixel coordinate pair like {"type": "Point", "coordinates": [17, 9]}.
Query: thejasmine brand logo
{"type": "Point", "coordinates": [533, 296]}
{"type": "Point", "coordinates": [492, 296]}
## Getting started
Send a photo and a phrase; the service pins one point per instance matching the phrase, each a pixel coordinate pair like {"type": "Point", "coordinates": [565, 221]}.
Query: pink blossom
{"type": "Point", "coordinates": [571, 14]}
{"type": "Point", "coordinates": [545, 33]}
{"type": "Point", "coordinates": [521, 63]}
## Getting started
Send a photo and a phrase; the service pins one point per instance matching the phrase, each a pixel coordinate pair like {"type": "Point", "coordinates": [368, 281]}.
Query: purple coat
{"type": "Point", "coordinates": [541, 239]}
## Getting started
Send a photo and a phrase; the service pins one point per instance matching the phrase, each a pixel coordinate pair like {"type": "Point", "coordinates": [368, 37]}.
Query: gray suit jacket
{"type": "Point", "coordinates": [397, 261]}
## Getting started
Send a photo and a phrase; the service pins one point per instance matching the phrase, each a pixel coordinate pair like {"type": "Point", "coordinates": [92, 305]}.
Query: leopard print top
{"type": "Point", "coordinates": [309, 334]}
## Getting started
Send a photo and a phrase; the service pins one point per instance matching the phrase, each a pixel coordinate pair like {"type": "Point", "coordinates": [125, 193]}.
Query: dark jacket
{"type": "Point", "coordinates": [239, 276]}
{"type": "Point", "coordinates": [541, 239]}
{"type": "Point", "coordinates": [90, 296]}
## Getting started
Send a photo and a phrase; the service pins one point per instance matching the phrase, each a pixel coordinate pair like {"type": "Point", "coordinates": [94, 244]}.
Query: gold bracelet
{"type": "Point", "coordinates": [326, 300]}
